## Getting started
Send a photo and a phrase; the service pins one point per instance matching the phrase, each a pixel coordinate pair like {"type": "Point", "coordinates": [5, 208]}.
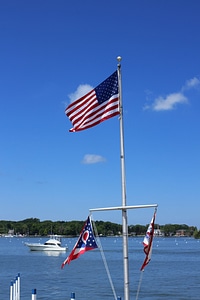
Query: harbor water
{"type": "Point", "coordinates": [173, 272]}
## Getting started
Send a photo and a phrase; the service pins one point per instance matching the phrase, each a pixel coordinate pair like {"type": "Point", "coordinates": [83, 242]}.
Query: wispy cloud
{"type": "Point", "coordinates": [191, 84]}
{"type": "Point", "coordinates": [82, 89]}
{"type": "Point", "coordinates": [171, 100]}
{"type": "Point", "coordinates": [93, 159]}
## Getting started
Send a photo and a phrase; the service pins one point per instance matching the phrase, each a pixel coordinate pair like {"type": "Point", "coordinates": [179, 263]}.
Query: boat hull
{"type": "Point", "coordinates": [41, 247]}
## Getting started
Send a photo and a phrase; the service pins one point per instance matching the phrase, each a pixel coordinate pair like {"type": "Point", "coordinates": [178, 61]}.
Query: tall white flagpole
{"type": "Point", "coordinates": [123, 185]}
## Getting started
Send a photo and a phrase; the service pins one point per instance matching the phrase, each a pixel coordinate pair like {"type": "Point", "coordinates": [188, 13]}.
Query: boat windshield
{"type": "Point", "coordinates": [52, 244]}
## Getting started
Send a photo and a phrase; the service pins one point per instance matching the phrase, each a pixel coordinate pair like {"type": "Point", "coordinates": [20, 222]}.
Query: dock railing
{"type": "Point", "coordinates": [15, 290]}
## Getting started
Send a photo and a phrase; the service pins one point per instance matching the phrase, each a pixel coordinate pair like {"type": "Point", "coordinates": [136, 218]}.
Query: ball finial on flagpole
{"type": "Point", "coordinates": [119, 58]}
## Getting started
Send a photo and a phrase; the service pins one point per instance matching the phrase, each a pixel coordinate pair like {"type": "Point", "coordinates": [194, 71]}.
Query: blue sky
{"type": "Point", "coordinates": [49, 51]}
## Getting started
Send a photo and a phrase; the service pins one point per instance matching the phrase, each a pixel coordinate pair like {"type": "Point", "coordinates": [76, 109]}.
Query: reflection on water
{"type": "Point", "coordinates": [52, 253]}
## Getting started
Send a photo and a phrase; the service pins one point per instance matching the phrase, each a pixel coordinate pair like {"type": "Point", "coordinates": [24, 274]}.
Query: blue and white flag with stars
{"type": "Point", "coordinates": [85, 243]}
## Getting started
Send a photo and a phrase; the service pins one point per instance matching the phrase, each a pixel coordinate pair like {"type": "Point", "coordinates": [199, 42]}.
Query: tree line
{"type": "Point", "coordinates": [35, 227]}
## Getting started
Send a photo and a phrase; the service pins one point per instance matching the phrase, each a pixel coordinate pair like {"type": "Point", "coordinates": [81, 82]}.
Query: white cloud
{"type": "Point", "coordinates": [92, 159]}
{"type": "Point", "coordinates": [169, 102]}
{"type": "Point", "coordinates": [172, 100]}
{"type": "Point", "coordinates": [81, 91]}
{"type": "Point", "coordinates": [192, 83]}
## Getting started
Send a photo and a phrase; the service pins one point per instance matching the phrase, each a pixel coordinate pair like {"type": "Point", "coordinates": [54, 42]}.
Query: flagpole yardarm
{"type": "Point", "coordinates": [125, 207]}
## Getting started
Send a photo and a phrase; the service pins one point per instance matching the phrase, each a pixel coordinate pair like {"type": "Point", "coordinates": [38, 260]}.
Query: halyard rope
{"type": "Point", "coordinates": [104, 260]}
{"type": "Point", "coordinates": [139, 284]}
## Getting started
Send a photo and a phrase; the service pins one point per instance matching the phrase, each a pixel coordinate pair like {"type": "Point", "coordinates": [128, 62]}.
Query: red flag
{"type": "Point", "coordinates": [148, 242]}
{"type": "Point", "coordinates": [98, 105]}
{"type": "Point", "coordinates": [85, 243]}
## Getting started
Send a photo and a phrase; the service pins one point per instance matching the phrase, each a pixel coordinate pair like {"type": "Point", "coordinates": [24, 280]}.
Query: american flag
{"type": "Point", "coordinates": [85, 243]}
{"type": "Point", "coordinates": [96, 106]}
{"type": "Point", "coordinates": [148, 242]}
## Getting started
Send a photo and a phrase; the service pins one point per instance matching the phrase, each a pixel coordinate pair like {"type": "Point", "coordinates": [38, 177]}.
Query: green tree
{"type": "Point", "coordinates": [197, 234]}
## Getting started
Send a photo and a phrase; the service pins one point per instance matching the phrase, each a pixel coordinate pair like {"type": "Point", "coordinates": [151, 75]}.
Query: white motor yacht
{"type": "Point", "coordinates": [53, 244]}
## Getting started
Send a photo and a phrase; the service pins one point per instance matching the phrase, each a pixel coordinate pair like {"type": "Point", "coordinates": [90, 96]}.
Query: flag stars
{"type": "Point", "coordinates": [107, 88]}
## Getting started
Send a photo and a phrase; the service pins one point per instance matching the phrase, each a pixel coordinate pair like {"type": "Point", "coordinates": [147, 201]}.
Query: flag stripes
{"type": "Point", "coordinates": [91, 109]}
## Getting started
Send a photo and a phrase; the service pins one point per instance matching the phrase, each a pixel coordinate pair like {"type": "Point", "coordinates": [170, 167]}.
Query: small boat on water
{"type": "Point", "coordinates": [53, 244]}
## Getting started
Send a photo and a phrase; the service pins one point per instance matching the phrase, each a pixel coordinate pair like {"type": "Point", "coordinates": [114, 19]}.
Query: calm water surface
{"type": "Point", "coordinates": [173, 273]}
